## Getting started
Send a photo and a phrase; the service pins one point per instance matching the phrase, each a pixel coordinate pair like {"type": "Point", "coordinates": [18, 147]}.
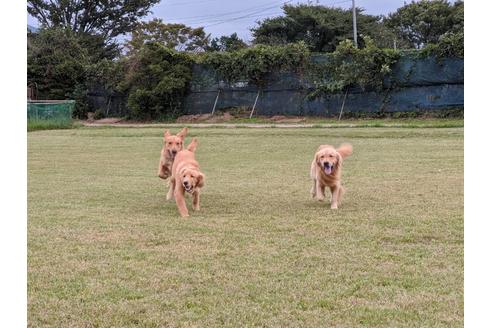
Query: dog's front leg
{"type": "Point", "coordinates": [313, 189]}
{"type": "Point", "coordinates": [160, 172]}
{"type": "Point", "coordinates": [335, 193]}
{"type": "Point", "coordinates": [170, 193]}
{"type": "Point", "coordinates": [196, 200]}
{"type": "Point", "coordinates": [180, 200]}
{"type": "Point", "coordinates": [320, 191]}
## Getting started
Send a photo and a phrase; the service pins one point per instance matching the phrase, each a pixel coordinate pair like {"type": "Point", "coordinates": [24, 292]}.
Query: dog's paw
{"type": "Point", "coordinates": [320, 198]}
{"type": "Point", "coordinates": [334, 207]}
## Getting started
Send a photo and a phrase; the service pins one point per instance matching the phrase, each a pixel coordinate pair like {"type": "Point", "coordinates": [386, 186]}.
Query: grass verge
{"type": "Point", "coordinates": [35, 125]}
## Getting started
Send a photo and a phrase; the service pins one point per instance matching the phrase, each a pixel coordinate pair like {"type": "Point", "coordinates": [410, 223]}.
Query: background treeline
{"type": "Point", "coordinates": [76, 50]}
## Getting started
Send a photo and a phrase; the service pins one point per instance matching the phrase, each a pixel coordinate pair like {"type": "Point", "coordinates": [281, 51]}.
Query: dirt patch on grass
{"type": "Point", "coordinates": [227, 117]}
{"type": "Point", "coordinates": [205, 118]}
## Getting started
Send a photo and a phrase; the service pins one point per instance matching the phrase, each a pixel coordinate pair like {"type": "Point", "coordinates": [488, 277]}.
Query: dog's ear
{"type": "Point", "coordinates": [183, 133]}
{"type": "Point", "coordinates": [166, 133]}
{"type": "Point", "coordinates": [345, 150]}
{"type": "Point", "coordinates": [192, 146]}
{"type": "Point", "coordinates": [200, 180]}
{"type": "Point", "coordinates": [339, 161]}
{"type": "Point", "coordinates": [316, 158]}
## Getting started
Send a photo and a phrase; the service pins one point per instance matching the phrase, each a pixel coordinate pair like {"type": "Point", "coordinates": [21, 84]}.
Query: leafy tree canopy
{"type": "Point", "coordinates": [424, 22]}
{"type": "Point", "coordinates": [107, 18]}
{"type": "Point", "coordinates": [173, 36]}
{"type": "Point", "coordinates": [156, 80]}
{"type": "Point", "coordinates": [321, 28]}
{"type": "Point", "coordinates": [56, 62]}
{"type": "Point", "coordinates": [227, 43]}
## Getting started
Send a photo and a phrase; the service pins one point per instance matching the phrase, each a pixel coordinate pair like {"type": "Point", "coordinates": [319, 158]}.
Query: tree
{"type": "Point", "coordinates": [227, 43]}
{"type": "Point", "coordinates": [56, 62]}
{"type": "Point", "coordinates": [321, 28]}
{"type": "Point", "coordinates": [102, 17]}
{"type": "Point", "coordinates": [173, 36]}
{"type": "Point", "coordinates": [156, 80]}
{"type": "Point", "coordinates": [424, 22]}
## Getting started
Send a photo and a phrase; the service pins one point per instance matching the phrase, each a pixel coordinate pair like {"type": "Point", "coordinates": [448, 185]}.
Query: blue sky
{"type": "Point", "coordinates": [221, 17]}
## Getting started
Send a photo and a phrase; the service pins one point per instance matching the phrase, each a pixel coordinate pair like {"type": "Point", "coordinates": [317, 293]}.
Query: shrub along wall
{"type": "Point", "coordinates": [289, 80]}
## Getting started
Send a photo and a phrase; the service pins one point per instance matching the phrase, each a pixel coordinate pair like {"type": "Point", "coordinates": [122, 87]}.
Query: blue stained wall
{"type": "Point", "coordinates": [415, 84]}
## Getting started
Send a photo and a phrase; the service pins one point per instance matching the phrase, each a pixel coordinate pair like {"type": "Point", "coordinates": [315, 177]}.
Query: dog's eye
{"type": "Point", "coordinates": [192, 176]}
{"type": "Point", "coordinates": [323, 156]}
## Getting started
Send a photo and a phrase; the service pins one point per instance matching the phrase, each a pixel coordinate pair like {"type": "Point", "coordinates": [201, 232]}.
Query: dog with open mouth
{"type": "Point", "coordinates": [186, 178]}
{"type": "Point", "coordinates": [326, 171]}
{"type": "Point", "coordinates": [172, 145]}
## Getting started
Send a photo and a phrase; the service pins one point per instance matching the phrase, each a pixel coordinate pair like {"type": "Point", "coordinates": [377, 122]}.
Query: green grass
{"type": "Point", "coordinates": [335, 123]}
{"type": "Point", "coordinates": [106, 250]}
{"type": "Point", "coordinates": [53, 124]}
{"type": "Point", "coordinates": [368, 122]}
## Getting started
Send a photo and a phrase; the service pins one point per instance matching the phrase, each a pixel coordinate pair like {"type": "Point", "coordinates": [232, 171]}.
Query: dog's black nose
{"type": "Point", "coordinates": [185, 183]}
{"type": "Point", "coordinates": [174, 152]}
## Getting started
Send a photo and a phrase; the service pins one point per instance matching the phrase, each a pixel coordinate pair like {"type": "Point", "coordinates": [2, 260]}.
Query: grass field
{"type": "Point", "coordinates": [34, 124]}
{"type": "Point", "coordinates": [106, 250]}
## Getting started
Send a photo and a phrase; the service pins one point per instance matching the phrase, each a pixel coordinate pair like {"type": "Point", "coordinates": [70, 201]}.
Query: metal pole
{"type": "Point", "coordinates": [253, 110]}
{"type": "Point", "coordinates": [215, 103]}
{"type": "Point", "coordinates": [354, 18]}
{"type": "Point", "coordinates": [343, 105]}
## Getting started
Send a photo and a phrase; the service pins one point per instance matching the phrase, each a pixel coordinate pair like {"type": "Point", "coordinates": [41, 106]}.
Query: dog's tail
{"type": "Point", "coordinates": [345, 150]}
{"type": "Point", "coordinates": [192, 146]}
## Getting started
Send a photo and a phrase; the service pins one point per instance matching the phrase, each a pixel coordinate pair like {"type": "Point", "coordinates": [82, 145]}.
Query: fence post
{"type": "Point", "coordinates": [256, 100]}
{"type": "Point", "coordinates": [343, 105]}
{"type": "Point", "coordinates": [215, 103]}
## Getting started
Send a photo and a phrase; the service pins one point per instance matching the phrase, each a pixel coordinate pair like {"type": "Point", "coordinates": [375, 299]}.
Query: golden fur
{"type": "Point", "coordinates": [326, 171]}
{"type": "Point", "coordinates": [186, 177]}
{"type": "Point", "coordinates": [172, 145]}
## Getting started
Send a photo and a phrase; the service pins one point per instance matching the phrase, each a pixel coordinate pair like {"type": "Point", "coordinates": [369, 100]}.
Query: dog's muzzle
{"type": "Point", "coordinates": [327, 167]}
{"type": "Point", "coordinates": [188, 187]}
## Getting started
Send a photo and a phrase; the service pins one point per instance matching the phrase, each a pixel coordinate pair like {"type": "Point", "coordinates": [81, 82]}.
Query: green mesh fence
{"type": "Point", "coordinates": [58, 111]}
{"type": "Point", "coordinates": [49, 114]}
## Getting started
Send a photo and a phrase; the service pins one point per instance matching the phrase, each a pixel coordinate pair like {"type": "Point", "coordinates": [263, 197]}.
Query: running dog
{"type": "Point", "coordinates": [186, 177]}
{"type": "Point", "coordinates": [172, 145]}
{"type": "Point", "coordinates": [326, 171]}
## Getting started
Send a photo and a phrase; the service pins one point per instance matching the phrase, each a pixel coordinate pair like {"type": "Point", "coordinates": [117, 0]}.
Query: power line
{"type": "Point", "coordinates": [244, 16]}
{"type": "Point", "coordinates": [258, 11]}
{"type": "Point", "coordinates": [218, 22]}
{"type": "Point", "coordinates": [191, 2]}
{"type": "Point", "coordinates": [229, 13]}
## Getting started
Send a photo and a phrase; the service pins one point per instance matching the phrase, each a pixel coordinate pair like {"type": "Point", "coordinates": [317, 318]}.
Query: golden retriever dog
{"type": "Point", "coordinates": [172, 145]}
{"type": "Point", "coordinates": [186, 177]}
{"type": "Point", "coordinates": [326, 171]}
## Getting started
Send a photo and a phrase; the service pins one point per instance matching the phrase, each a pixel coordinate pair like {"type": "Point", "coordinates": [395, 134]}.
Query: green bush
{"type": "Point", "coordinates": [99, 114]}
{"type": "Point", "coordinates": [449, 45]}
{"type": "Point", "coordinates": [157, 80]}
{"type": "Point", "coordinates": [349, 66]}
{"type": "Point", "coordinates": [256, 63]}
{"type": "Point", "coordinates": [56, 62]}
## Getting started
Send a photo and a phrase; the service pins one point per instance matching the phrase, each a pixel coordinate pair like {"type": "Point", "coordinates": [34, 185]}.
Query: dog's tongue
{"type": "Point", "coordinates": [328, 169]}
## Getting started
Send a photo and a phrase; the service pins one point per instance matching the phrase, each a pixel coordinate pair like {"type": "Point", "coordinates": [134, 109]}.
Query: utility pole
{"type": "Point", "coordinates": [354, 17]}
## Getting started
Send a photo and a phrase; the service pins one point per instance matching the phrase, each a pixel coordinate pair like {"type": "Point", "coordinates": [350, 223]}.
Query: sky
{"type": "Point", "coordinates": [221, 17]}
